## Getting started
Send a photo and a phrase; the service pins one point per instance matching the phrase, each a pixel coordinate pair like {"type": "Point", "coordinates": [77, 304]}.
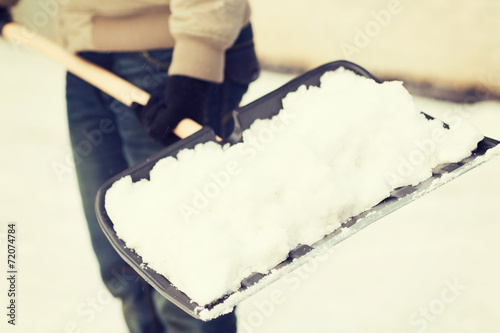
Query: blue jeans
{"type": "Point", "coordinates": [107, 138]}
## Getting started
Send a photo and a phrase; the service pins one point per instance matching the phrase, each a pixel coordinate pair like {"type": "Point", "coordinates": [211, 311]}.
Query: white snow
{"type": "Point", "coordinates": [378, 280]}
{"type": "Point", "coordinates": [213, 215]}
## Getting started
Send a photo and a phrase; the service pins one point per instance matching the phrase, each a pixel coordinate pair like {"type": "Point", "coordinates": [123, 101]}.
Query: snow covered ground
{"type": "Point", "coordinates": [429, 267]}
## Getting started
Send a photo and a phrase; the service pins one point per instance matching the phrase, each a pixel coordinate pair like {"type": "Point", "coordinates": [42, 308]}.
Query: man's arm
{"type": "Point", "coordinates": [203, 30]}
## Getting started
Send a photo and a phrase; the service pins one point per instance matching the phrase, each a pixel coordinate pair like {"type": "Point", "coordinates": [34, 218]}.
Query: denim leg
{"type": "Point", "coordinates": [97, 150]}
{"type": "Point", "coordinates": [133, 67]}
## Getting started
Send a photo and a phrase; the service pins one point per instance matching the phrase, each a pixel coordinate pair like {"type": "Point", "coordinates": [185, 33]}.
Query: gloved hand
{"type": "Point", "coordinates": [4, 17]}
{"type": "Point", "coordinates": [185, 97]}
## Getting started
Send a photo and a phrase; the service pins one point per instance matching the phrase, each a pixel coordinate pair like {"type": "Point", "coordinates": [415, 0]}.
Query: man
{"type": "Point", "coordinates": [196, 58]}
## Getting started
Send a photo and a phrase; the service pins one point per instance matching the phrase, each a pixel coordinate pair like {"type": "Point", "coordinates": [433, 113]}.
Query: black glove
{"type": "Point", "coordinates": [4, 17]}
{"type": "Point", "coordinates": [185, 97]}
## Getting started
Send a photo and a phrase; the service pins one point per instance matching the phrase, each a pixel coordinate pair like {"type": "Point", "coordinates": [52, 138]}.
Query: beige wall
{"type": "Point", "coordinates": [448, 43]}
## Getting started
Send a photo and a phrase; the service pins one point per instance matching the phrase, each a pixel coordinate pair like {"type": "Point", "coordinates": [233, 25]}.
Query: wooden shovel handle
{"type": "Point", "coordinates": [100, 78]}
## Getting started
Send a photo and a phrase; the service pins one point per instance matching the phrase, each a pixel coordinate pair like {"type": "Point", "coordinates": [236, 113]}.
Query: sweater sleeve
{"type": "Point", "coordinates": [203, 30]}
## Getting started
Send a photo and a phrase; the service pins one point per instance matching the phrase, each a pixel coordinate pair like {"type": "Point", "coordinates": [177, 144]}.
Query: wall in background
{"type": "Point", "coordinates": [446, 44]}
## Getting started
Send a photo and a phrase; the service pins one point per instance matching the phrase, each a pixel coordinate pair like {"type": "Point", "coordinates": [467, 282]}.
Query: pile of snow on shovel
{"type": "Point", "coordinates": [215, 214]}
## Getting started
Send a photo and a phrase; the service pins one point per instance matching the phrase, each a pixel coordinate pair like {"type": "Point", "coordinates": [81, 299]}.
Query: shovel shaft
{"type": "Point", "coordinates": [100, 78]}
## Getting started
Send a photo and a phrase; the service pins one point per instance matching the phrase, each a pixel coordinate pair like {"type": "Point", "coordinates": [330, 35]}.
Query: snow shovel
{"type": "Point", "coordinates": [262, 108]}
